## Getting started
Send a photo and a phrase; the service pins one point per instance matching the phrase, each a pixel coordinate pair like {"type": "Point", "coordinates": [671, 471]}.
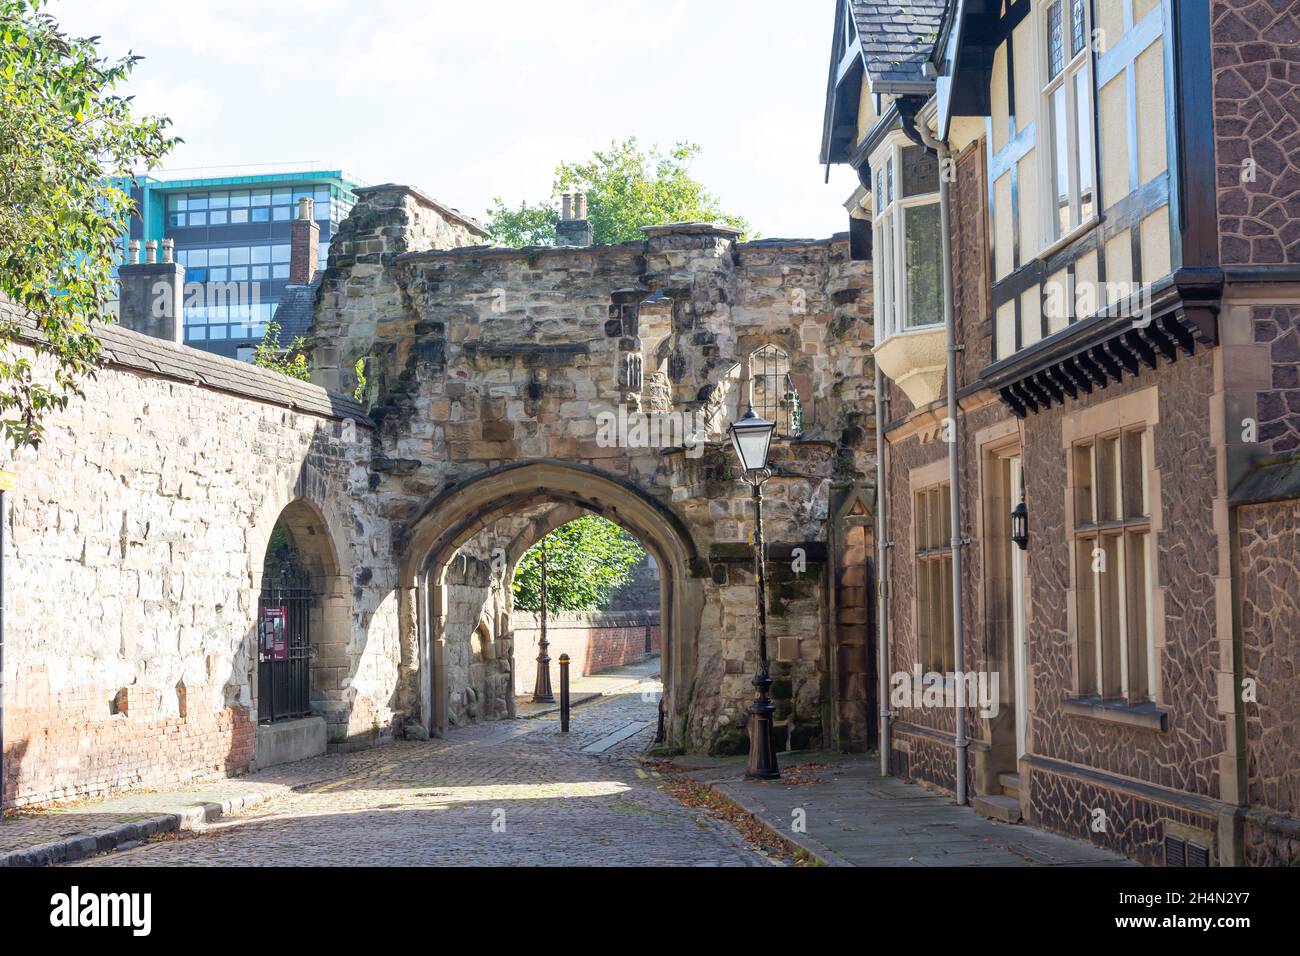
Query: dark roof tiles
{"type": "Point", "coordinates": [897, 38]}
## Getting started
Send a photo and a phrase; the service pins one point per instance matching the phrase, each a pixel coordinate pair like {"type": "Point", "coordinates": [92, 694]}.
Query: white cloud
{"type": "Point", "coordinates": [475, 100]}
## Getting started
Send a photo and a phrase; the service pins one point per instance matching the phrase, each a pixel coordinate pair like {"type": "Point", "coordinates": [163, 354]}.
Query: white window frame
{"type": "Point", "coordinates": [1080, 63]}
{"type": "Point", "coordinates": [888, 259]}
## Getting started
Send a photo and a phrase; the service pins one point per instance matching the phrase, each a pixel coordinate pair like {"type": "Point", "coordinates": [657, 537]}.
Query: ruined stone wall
{"type": "Point", "coordinates": [480, 358]}
{"type": "Point", "coordinates": [133, 552]}
{"type": "Point", "coordinates": [477, 652]}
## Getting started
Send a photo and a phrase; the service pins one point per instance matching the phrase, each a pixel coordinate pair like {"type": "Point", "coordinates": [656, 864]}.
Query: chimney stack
{"type": "Point", "coordinates": [574, 228]}
{"type": "Point", "coordinates": [151, 294]}
{"type": "Point", "coordinates": [304, 249]}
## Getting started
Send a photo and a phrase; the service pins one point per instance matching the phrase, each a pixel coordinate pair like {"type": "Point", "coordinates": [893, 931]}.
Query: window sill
{"type": "Point", "coordinates": [1057, 245]}
{"type": "Point", "coordinates": [1142, 716]}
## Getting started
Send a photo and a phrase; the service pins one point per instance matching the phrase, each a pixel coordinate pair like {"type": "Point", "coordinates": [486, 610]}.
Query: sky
{"type": "Point", "coordinates": [474, 100]}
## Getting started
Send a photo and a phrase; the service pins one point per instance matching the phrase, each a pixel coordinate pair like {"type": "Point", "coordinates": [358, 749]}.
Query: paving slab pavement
{"type": "Point", "coordinates": [854, 817]}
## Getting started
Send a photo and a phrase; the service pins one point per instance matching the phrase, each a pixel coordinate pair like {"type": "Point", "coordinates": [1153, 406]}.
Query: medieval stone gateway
{"type": "Point", "coordinates": [479, 504]}
{"type": "Point", "coordinates": [507, 393]}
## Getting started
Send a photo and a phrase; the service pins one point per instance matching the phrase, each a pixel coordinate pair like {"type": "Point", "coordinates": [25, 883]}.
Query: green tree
{"type": "Point", "coordinates": [290, 360]}
{"type": "Point", "coordinates": [627, 187]}
{"type": "Point", "coordinates": [67, 141]}
{"type": "Point", "coordinates": [587, 560]}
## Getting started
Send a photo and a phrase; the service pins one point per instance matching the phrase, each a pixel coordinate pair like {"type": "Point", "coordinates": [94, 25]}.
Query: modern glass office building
{"type": "Point", "coordinates": [232, 234]}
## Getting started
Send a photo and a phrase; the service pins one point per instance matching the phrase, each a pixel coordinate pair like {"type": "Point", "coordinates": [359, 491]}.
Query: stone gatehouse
{"type": "Point", "coordinates": [503, 390]}
{"type": "Point", "coordinates": [501, 382]}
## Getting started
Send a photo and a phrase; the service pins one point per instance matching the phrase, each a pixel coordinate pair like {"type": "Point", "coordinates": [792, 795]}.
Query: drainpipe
{"type": "Point", "coordinates": [954, 472]}
{"type": "Point", "coordinates": [882, 575]}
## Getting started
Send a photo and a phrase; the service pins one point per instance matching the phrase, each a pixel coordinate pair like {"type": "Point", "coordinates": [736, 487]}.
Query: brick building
{"type": "Point", "coordinates": [1084, 225]}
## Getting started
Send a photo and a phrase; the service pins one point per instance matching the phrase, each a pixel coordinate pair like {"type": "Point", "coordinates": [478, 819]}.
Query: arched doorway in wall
{"type": "Point", "coordinates": [301, 639]}
{"type": "Point", "coordinates": [562, 491]}
{"type": "Point", "coordinates": [284, 612]}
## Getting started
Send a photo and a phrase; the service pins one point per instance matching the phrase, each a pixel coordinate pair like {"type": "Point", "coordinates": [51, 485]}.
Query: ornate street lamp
{"type": "Point", "coordinates": [1020, 524]}
{"type": "Point", "coordinates": [542, 693]}
{"type": "Point", "coordinates": [751, 436]}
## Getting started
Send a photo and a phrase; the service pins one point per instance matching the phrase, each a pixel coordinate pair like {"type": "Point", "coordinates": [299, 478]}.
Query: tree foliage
{"type": "Point", "coordinates": [627, 187]}
{"type": "Point", "coordinates": [587, 560]}
{"type": "Point", "coordinates": [66, 141]}
{"type": "Point", "coordinates": [290, 360]}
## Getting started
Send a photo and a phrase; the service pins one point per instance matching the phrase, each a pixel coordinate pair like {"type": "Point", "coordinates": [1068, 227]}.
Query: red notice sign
{"type": "Point", "coordinates": [275, 633]}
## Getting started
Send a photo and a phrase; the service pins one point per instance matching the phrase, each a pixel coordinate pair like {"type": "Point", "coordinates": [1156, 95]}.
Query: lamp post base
{"type": "Point", "coordinates": [762, 741]}
{"type": "Point", "coordinates": [542, 693]}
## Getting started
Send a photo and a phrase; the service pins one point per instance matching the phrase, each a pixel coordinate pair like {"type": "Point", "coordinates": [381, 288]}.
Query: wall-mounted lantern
{"type": "Point", "coordinates": [1020, 524]}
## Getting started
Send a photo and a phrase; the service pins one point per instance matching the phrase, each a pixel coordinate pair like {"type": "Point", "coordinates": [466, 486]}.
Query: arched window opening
{"type": "Point", "coordinates": [772, 391]}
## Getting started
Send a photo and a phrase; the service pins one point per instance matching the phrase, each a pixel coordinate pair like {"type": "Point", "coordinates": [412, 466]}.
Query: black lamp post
{"type": "Point", "coordinates": [752, 437]}
{"type": "Point", "coordinates": [542, 693]}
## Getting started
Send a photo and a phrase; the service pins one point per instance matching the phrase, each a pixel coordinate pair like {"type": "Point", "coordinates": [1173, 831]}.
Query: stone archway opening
{"type": "Point", "coordinates": [299, 657]}
{"type": "Point", "coordinates": [472, 538]}
{"type": "Point", "coordinates": [604, 599]}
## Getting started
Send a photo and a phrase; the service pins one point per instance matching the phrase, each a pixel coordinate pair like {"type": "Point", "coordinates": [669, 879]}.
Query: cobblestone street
{"type": "Point", "coordinates": [508, 793]}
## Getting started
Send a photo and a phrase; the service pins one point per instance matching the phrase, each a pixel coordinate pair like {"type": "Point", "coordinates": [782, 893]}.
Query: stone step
{"type": "Point", "coordinates": [1010, 784]}
{"type": "Point", "coordinates": [1006, 809]}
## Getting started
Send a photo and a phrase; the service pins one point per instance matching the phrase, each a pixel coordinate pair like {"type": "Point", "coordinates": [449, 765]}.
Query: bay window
{"type": "Point", "coordinates": [908, 251]}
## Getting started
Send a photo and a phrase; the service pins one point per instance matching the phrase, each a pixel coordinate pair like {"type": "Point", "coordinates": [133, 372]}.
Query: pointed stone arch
{"type": "Point", "coordinates": [460, 512]}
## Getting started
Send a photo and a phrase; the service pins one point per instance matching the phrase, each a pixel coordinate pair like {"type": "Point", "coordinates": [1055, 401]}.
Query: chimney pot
{"type": "Point", "coordinates": [305, 208]}
{"type": "Point", "coordinates": [581, 212]}
{"type": "Point", "coordinates": [168, 249]}
{"type": "Point", "coordinates": [566, 203]}
{"type": "Point", "coordinates": [133, 252]}
{"type": "Point", "coordinates": [151, 251]}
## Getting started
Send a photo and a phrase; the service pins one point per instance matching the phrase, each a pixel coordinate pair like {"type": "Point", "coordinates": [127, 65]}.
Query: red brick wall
{"type": "Point", "coordinates": [303, 251]}
{"type": "Point", "coordinates": [594, 642]}
{"type": "Point", "coordinates": [67, 742]}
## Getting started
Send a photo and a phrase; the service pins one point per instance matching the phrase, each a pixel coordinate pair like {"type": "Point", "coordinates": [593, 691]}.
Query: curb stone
{"type": "Point", "coordinates": [128, 835]}
{"type": "Point", "coordinates": [817, 850]}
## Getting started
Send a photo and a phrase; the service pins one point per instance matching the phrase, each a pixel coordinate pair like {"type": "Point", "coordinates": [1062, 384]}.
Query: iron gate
{"type": "Point", "coordinates": [284, 646]}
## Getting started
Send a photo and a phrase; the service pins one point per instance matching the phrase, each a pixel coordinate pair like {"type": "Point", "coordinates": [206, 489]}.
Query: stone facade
{"type": "Point", "coordinates": [133, 558]}
{"type": "Point", "coordinates": [1270, 621]}
{"type": "Point", "coordinates": [487, 365]}
{"type": "Point", "coordinates": [1204, 757]}
{"type": "Point", "coordinates": [158, 491]}
{"type": "Point", "coordinates": [1256, 75]}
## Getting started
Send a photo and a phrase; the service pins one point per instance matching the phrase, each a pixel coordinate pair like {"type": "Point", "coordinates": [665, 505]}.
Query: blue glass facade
{"type": "Point", "coordinates": [233, 234]}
